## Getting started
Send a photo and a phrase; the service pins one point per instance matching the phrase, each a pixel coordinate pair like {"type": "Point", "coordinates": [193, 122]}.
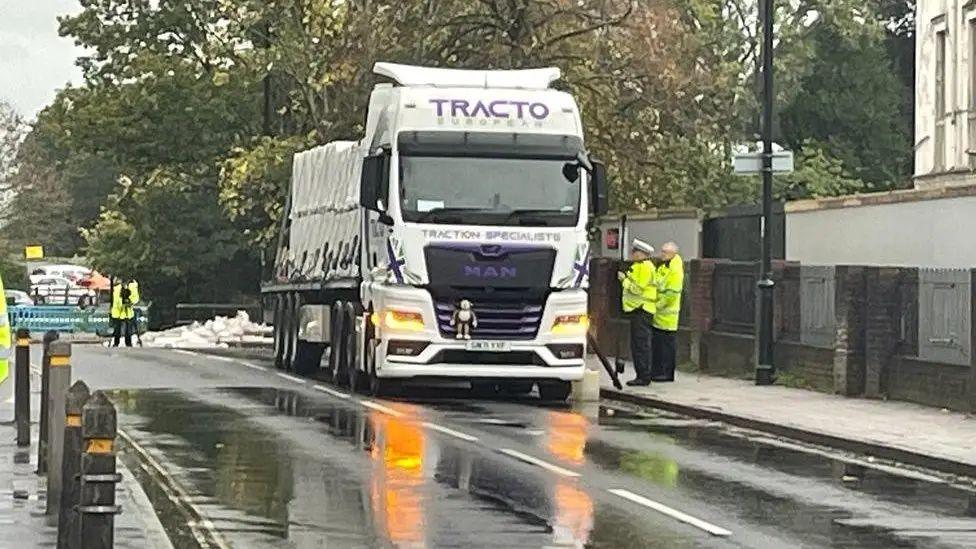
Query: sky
{"type": "Point", "coordinates": [34, 61]}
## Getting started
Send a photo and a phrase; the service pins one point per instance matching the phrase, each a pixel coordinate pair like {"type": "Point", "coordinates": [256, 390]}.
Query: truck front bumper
{"type": "Point", "coordinates": [548, 356]}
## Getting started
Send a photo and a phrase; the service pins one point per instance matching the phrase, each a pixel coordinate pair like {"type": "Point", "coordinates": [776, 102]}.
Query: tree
{"type": "Point", "coordinates": [168, 232]}
{"type": "Point", "coordinates": [850, 102]}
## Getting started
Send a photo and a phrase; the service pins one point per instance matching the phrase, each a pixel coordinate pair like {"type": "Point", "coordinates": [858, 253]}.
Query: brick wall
{"type": "Point", "coordinates": [875, 347]}
{"type": "Point", "coordinates": [849, 344]}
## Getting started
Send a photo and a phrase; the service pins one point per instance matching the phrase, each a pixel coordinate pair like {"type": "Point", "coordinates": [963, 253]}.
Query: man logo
{"type": "Point", "coordinates": [489, 271]}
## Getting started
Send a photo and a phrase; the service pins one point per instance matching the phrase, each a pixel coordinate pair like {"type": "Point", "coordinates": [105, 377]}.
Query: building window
{"type": "Point", "coordinates": [940, 99]}
{"type": "Point", "coordinates": [971, 128]}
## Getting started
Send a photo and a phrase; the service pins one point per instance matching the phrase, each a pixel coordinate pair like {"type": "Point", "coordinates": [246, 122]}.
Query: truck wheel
{"type": "Point", "coordinates": [379, 387]}
{"type": "Point", "coordinates": [338, 339]}
{"type": "Point", "coordinates": [557, 391]}
{"type": "Point", "coordinates": [277, 321]}
{"type": "Point", "coordinates": [308, 357]}
{"type": "Point", "coordinates": [352, 346]}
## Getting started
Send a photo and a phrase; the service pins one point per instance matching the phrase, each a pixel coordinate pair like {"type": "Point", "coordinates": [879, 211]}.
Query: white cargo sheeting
{"type": "Point", "coordinates": [324, 234]}
{"type": "Point", "coordinates": [219, 332]}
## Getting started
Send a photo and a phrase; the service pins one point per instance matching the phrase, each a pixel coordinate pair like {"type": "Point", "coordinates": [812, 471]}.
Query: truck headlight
{"type": "Point", "coordinates": [571, 324]}
{"type": "Point", "coordinates": [403, 321]}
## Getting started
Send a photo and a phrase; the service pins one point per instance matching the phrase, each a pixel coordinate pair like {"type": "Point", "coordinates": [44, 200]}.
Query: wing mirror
{"type": "Point", "coordinates": [374, 183]}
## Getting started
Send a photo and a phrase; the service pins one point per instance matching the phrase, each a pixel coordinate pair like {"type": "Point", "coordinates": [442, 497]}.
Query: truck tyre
{"type": "Point", "coordinates": [277, 320]}
{"type": "Point", "coordinates": [556, 391]}
{"type": "Point", "coordinates": [350, 319]}
{"type": "Point", "coordinates": [338, 339]}
{"type": "Point", "coordinates": [308, 357]}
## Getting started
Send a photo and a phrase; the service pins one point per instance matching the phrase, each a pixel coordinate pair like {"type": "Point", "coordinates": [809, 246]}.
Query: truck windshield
{"type": "Point", "coordinates": [489, 191]}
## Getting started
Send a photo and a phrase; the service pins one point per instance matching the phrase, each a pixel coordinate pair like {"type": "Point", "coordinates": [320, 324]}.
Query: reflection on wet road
{"type": "Point", "coordinates": [295, 468]}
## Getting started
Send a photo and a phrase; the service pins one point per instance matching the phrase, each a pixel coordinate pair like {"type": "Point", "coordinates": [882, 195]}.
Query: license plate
{"type": "Point", "coordinates": [490, 346]}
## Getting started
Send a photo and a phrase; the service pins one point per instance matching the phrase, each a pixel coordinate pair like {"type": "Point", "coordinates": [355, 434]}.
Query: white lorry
{"type": "Point", "coordinates": [470, 190]}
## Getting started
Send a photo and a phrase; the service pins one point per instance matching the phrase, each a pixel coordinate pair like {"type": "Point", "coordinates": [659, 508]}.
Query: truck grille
{"type": "Point", "coordinates": [500, 317]}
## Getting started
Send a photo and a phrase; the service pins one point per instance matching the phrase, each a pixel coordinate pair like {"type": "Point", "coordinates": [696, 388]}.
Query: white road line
{"type": "Point", "coordinates": [185, 352]}
{"type": "Point", "coordinates": [290, 377]}
{"type": "Point", "coordinates": [450, 432]}
{"type": "Point", "coordinates": [177, 495]}
{"type": "Point", "coordinates": [223, 358]}
{"type": "Point", "coordinates": [673, 513]}
{"type": "Point", "coordinates": [536, 461]}
{"type": "Point", "coordinates": [380, 408]}
{"type": "Point", "coordinates": [252, 366]}
{"type": "Point", "coordinates": [330, 391]}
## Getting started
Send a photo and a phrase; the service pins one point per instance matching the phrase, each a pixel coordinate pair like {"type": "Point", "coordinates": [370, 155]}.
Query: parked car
{"type": "Point", "coordinates": [74, 273]}
{"type": "Point", "coordinates": [57, 289]}
{"type": "Point", "coordinates": [19, 298]}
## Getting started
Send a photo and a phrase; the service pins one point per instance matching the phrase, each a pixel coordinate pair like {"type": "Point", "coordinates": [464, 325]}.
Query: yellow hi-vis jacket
{"type": "Point", "coordinates": [120, 310]}
{"type": "Point", "coordinates": [670, 278]}
{"type": "Point", "coordinates": [639, 290]}
{"type": "Point", "coordinates": [5, 342]}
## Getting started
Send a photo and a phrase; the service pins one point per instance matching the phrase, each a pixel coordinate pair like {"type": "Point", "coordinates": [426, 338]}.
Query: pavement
{"type": "Point", "coordinates": [23, 498]}
{"type": "Point", "coordinates": [901, 431]}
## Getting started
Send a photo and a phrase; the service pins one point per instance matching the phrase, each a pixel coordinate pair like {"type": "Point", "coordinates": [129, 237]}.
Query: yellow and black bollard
{"type": "Point", "coordinates": [42, 431]}
{"type": "Point", "coordinates": [97, 506]}
{"type": "Point", "coordinates": [59, 379]}
{"type": "Point", "coordinates": [22, 387]}
{"type": "Point", "coordinates": [69, 533]}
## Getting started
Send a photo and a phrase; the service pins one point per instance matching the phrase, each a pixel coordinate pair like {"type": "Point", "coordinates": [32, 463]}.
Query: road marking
{"type": "Point", "coordinates": [330, 391]}
{"type": "Point", "coordinates": [185, 352]}
{"type": "Point", "coordinates": [223, 358]}
{"type": "Point", "coordinates": [290, 377]}
{"type": "Point", "coordinates": [450, 432]}
{"type": "Point", "coordinates": [536, 461]}
{"type": "Point", "coordinates": [252, 366]}
{"type": "Point", "coordinates": [175, 492]}
{"type": "Point", "coordinates": [673, 513]}
{"type": "Point", "coordinates": [380, 408]}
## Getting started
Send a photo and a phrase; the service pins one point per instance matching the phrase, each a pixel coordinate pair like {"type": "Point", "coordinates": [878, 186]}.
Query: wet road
{"type": "Point", "coordinates": [235, 454]}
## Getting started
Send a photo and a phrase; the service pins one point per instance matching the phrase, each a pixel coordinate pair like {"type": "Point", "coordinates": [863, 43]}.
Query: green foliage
{"type": "Point", "coordinates": [254, 185]}
{"type": "Point", "coordinates": [850, 102]}
{"type": "Point", "coordinates": [816, 175]}
{"type": "Point", "coordinates": [174, 155]}
{"type": "Point", "coordinates": [169, 232]}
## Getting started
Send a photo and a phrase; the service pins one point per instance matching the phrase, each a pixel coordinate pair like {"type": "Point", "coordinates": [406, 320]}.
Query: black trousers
{"type": "Point", "coordinates": [663, 344]}
{"type": "Point", "coordinates": [640, 342]}
{"type": "Point", "coordinates": [120, 325]}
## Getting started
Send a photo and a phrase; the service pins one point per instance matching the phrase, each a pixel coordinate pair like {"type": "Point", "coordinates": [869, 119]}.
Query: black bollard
{"type": "Point", "coordinates": [97, 506]}
{"type": "Point", "coordinates": [69, 533]}
{"type": "Point", "coordinates": [59, 380]}
{"type": "Point", "coordinates": [49, 337]}
{"type": "Point", "coordinates": [22, 388]}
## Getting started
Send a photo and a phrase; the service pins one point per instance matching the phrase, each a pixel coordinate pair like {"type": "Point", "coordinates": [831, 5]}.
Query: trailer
{"type": "Point", "coordinates": [451, 241]}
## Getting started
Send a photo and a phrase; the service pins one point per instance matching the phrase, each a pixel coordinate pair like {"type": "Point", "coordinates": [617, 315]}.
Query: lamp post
{"type": "Point", "coordinates": [765, 370]}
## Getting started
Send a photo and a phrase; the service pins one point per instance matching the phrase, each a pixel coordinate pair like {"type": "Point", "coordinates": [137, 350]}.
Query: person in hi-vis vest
{"type": "Point", "coordinates": [125, 296]}
{"type": "Point", "coordinates": [5, 343]}
{"type": "Point", "coordinates": [670, 278]}
{"type": "Point", "coordinates": [639, 301]}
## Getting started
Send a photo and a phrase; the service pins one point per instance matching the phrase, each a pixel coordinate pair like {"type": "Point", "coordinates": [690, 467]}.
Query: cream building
{"type": "Point", "coordinates": [945, 92]}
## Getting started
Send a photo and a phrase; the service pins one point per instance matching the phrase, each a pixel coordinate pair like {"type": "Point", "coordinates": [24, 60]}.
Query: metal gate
{"type": "Point", "coordinates": [943, 315]}
{"type": "Point", "coordinates": [817, 321]}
